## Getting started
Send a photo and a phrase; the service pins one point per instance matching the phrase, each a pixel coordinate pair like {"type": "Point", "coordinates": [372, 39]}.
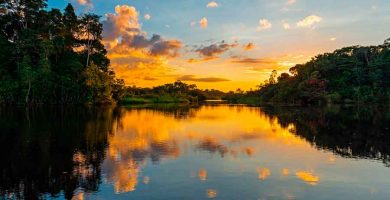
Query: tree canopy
{"type": "Point", "coordinates": [52, 56]}
{"type": "Point", "coordinates": [351, 74]}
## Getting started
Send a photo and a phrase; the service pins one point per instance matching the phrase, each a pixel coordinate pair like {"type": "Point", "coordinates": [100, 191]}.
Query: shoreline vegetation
{"type": "Point", "coordinates": [62, 60]}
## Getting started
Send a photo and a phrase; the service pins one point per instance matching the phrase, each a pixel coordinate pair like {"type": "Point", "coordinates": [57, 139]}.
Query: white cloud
{"type": "Point", "coordinates": [286, 26]}
{"type": "Point", "coordinates": [212, 4]}
{"type": "Point", "coordinates": [204, 22]}
{"type": "Point", "coordinates": [333, 39]}
{"type": "Point", "coordinates": [309, 21]}
{"type": "Point", "coordinates": [147, 16]}
{"type": "Point", "coordinates": [264, 24]}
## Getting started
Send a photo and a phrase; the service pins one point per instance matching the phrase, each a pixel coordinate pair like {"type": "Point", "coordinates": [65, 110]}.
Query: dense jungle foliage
{"type": "Point", "coordinates": [52, 56]}
{"type": "Point", "coordinates": [354, 74]}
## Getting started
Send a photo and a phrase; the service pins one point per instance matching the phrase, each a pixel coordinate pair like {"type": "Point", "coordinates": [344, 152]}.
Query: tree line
{"type": "Point", "coordinates": [53, 56]}
{"type": "Point", "coordinates": [356, 74]}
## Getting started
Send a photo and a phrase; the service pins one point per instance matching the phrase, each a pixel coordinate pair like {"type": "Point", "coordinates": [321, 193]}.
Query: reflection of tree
{"type": "Point", "coordinates": [52, 150]}
{"type": "Point", "coordinates": [347, 131]}
{"type": "Point", "coordinates": [174, 110]}
{"type": "Point", "coordinates": [213, 146]}
{"type": "Point", "coordinates": [141, 135]}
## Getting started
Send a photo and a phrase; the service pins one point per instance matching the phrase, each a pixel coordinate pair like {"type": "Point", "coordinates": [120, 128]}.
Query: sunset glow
{"type": "Point", "coordinates": [227, 44]}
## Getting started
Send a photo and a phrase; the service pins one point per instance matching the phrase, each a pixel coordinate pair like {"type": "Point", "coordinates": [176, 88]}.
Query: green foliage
{"type": "Point", "coordinates": [47, 56]}
{"type": "Point", "coordinates": [349, 75]}
{"type": "Point", "coordinates": [177, 92]}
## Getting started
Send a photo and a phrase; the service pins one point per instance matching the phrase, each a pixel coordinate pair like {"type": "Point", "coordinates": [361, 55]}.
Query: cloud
{"type": "Point", "coordinates": [134, 55]}
{"type": "Point", "coordinates": [333, 39]}
{"type": "Point", "coordinates": [204, 23]}
{"type": "Point", "coordinates": [212, 4]}
{"type": "Point", "coordinates": [85, 3]}
{"type": "Point", "coordinates": [193, 78]}
{"type": "Point", "coordinates": [123, 22]}
{"type": "Point", "coordinates": [248, 47]}
{"type": "Point", "coordinates": [309, 21]}
{"type": "Point", "coordinates": [124, 26]}
{"type": "Point", "coordinates": [168, 48]}
{"type": "Point", "coordinates": [286, 26]}
{"type": "Point", "coordinates": [214, 50]}
{"type": "Point", "coordinates": [264, 24]}
{"type": "Point", "coordinates": [290, 2]}
{"type": "Point", "coordinates": [253, 61]}
{"type": "Point", "coordinates": [147, 17]}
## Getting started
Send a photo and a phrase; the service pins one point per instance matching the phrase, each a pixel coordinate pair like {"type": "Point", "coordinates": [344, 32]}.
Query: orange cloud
{"type": "Point", "coordinates": [212, 4]}
{"type": "Point", "coordinates": [135, 57]}
{"type": "Point", "coordinates": [248, 47]}
{"type": "Point", "coordinates": [204, 22]}
{"type": "Point", "coordinates": [193, 78]}
{"type": "Point", "coordinates": [289, 2]}
{"type": "Point", "coordinates": [85, 3]}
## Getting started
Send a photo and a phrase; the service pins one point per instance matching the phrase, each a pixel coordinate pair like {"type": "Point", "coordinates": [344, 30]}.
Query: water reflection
{"type": "Point", "coordinates": [52, 151]}
{"type": "Point", "coordinates": [160, 152]}
{"type": "Point", "coordinates": [355, 132]}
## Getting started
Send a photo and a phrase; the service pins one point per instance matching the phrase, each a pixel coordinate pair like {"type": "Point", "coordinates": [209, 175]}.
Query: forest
{"type": "Point", "coordinates": [356, 74]}
{"type": "Point", "coordinates": [53, 56]}
{"type": "Point", "coordinates": [61, 60]}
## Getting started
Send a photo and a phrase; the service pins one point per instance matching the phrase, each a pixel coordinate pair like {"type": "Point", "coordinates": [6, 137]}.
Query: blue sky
{"type": "Point", "coordinates": [325, 26]}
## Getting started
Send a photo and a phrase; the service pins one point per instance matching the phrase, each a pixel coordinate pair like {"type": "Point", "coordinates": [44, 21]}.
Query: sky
{"type": "Point", "coordinates": [227, 44]}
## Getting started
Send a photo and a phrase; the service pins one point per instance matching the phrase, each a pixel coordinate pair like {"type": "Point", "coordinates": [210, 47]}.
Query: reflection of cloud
{"type": "Point", "coordinates": [249, 151]}
{"type": "Point", "coordinates": [146, 180]}
{"type": "Point", "coordinates": [308, 177]}
{"type": "Point", "coordinates": [124, 176]}
{"type": "Point", "coordinates": [141, 136]}
{"type": "Point", "coordinates": [202, 174]}
{"type": "Point", "coordinates": [263, 173]}
{"type": "Point", "coordinates": [331, 160]}
{"type": "Point", "coordinates": [211, 193]}
{"type": "Point", "coordinates": [193, 78]}
{"type": "Point", "coordinates": [211, 145]}
{"type": "Point", "coordinates": [285, 172]}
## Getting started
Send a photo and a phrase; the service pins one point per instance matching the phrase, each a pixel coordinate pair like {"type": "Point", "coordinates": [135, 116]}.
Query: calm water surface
{"type": "Point", "coordinates": [202, 152]}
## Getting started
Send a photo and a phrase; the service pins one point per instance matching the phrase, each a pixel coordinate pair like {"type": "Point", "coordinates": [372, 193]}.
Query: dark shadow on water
{"type": "Point", "coordinates": [349, 131]}
{"type": "Point", "coordinates": [49, 150]}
